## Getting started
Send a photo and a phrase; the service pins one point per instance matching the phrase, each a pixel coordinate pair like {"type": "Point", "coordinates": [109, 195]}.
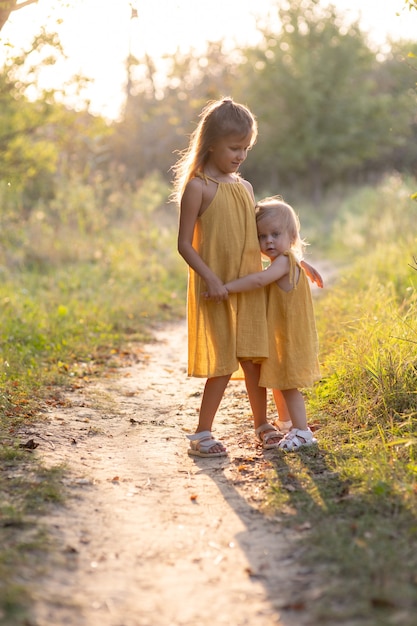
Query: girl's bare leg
{"type": "Point", "coordinates": [283, 421]}
{"type": "Point", "coordinates": [296, 407]}
{"type": "Point", "coordinates": [212, 396]}
{"type": "Point", "coordinates": [256, 394]}
{"type": "Point", "coordinates": [282, 409]}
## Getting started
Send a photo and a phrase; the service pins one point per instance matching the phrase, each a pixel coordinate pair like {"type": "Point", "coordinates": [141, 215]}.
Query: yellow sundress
{"type": "Point", "coordinates": [221, 334]}
{"type": "Point", "coordinates": [293, 342]}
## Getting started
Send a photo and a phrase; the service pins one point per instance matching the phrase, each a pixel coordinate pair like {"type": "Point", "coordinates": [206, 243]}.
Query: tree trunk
{"type": "Point", "coordinates": [7, 6]}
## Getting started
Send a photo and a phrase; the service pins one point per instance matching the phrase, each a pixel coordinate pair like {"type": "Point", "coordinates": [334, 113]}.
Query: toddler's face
{"type": "Point", "coordinates": [272, 238]}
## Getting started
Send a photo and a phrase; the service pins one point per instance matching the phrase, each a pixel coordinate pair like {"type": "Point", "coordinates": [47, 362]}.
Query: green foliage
{"type": "Point", "coordinates": [370, 367]}
{"type": "Point", "coordinates": [353, 509]}
{"type": "Point", "coordinates": [331, 108]}
{"type": "Point", "coordinates": [370, 370]}
{"type": "Point", "coordinates": [352, 500]}
{"type": "Point", "coordinates": [159, 118]}
{"type": "Point", "coordinates": [26, 490]}
{"type": "Point", "coordinates": [25, 152]}
{"type": "Point", "coordinates": [80, 278]}
{"type": "Point", "coordinates": [322, 110]}
{"type": "Point", "coordinates": [40, 139]}
{"type": "Point", "coordinates": [83, 276]}
{"type": "Point", "coordinates": [363, 220]}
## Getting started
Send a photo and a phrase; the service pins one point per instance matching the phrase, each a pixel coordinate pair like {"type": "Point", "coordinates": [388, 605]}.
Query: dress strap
{"type": "Point", "coordinates": [293, 268]}
{"type": "Point", "coordinates": [206, 177]}
{"type": "Point", "coordinates": [214, 180]}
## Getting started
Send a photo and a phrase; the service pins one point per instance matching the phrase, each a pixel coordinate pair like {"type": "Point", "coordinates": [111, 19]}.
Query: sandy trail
{"type": "Point", "coordinates": [150, 536]}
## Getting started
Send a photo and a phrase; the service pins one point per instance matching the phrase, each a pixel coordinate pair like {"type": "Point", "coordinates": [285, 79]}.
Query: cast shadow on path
{"type": "Point", "coordinates": [271, 550]}
{"type": "Point", "coordinates": [314, 577]}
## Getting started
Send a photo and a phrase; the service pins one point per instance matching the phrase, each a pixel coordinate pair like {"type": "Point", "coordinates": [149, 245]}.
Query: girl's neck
{"type": "Point", "coordinates": [221, 177]}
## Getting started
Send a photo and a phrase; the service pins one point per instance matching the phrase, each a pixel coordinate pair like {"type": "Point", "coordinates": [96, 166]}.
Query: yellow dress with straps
{"type": "Point", "coordinates": [293, 342]}
{"type": "Point", "coordinates": [221, 334]}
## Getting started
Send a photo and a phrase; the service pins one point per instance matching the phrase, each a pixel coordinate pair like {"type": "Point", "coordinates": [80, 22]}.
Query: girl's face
{"type": "Point", "coordinates": [229, 152]}
{"type": "Point", "coordinates": [272, 238]}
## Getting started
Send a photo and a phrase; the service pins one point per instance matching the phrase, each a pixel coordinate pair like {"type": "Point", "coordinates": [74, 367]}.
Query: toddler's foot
{"type": "Point", "coordinates": [283, 426]}
{"type": "Point", "coordinates": [269, 436]}
{"type": "Point", "coordinates": [297, 438]}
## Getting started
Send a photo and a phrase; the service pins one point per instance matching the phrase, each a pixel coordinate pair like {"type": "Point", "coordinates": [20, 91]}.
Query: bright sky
{"type": "Point", "coordinates": [97, 34]}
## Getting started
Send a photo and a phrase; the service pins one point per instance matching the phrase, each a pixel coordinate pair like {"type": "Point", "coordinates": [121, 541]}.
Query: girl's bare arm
{"type": "Point", "coordinates": [278, 269]}
{"type": "Point", "coordinates": [190, 206]}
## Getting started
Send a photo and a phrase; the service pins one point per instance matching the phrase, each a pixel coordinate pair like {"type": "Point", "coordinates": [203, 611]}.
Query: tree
{"type": "Point", "coordinates": [159, 117]}
{"type": "Point", "coordinates": [8, 6]}
{"type": "Point", "coordinates": [321, 114]}
{"type": "Point", "coordinates": [412, 4]}
{"type": "Point", "coordinates": [396, 77]}
{"type": "Point", "coordinates": [41, 139]}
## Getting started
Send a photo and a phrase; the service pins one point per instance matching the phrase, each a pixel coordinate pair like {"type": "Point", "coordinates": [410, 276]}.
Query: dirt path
{"type": "Point", "coordinates": [150, 536]}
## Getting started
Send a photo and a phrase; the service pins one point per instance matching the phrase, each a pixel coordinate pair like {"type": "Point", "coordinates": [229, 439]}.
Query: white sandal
{"type": "Point", "coordinates": [283, 427]}
{"type": "Point", "coordinates": [269, 431]}
{"type": "Point", "coordinates": [297, 438]}
{"type": "Point", "coordinates": [202, 443]}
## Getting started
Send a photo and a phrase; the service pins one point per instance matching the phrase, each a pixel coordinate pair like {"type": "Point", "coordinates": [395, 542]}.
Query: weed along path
{"type": "Point", "coordinates": [149, 536]}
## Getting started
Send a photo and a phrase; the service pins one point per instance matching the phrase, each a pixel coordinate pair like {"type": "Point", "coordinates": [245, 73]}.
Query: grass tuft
{"type": "Point", "coordinates": [84, 277]}
{"type": "Point", "coordinates": [353, 499]}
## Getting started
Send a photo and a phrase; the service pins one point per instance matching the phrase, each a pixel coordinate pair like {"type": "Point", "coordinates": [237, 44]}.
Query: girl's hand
{"type": "Point", "coordinates": [312, 273]}
{"type": "Point", "coordinates": [216, 291]}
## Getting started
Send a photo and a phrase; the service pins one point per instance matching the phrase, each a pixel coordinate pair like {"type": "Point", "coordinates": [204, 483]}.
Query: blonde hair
{"type": "Point", "coordinates": [275, 207]}
{"type": "Point", "coordinates": [218, 119]}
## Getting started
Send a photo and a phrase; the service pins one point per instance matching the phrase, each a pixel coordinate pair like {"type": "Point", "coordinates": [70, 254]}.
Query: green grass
{"type": "Point", "coordinates": [353, 499]}
{"type": "Point", "coordinates": [354, 508]}
{"type": "Point", "coordinates": [26, 489]}
{"type": "Point", "coordinates": [80, 281]}
{"type": "Point", "coordinates": [84, 278]}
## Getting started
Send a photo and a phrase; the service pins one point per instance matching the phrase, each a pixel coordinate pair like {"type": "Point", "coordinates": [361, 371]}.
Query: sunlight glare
{"type": "Point", "coordinates": [98, 35]}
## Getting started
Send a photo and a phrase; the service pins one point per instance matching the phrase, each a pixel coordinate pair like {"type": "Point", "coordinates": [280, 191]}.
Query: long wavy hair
{"type": "Point", "coordinates": [218, 119]}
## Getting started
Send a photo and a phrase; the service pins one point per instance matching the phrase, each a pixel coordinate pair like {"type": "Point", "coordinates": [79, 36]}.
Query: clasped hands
{"type": "Point", "coordinates": [218, 295]}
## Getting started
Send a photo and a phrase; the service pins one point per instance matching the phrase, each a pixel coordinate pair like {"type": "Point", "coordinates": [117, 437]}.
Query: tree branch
{"type": "Point", "coordinates": [7, 6]}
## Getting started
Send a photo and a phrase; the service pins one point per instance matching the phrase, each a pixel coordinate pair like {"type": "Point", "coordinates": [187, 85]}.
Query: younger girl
{"type": "Point", "coordinates": [293, 343]}
{"type": "Point", "coordinates": [217, 238]}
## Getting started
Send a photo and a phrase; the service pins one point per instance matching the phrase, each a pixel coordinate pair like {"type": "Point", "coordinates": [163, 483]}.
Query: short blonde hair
{"type": "Point", "coordinates": [275, 207]}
